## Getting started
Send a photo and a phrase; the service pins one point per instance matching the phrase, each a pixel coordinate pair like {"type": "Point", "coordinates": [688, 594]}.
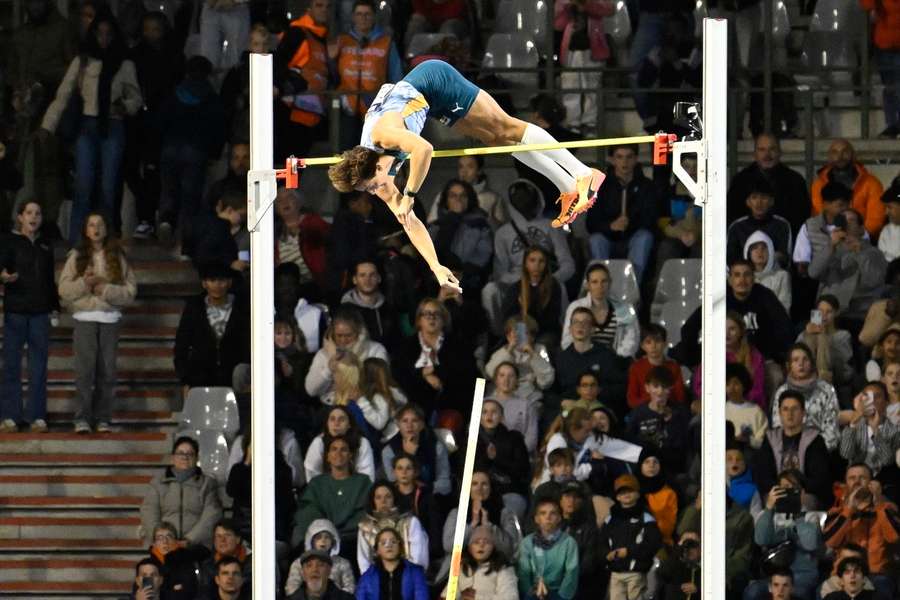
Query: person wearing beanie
{"type": "Point", "coordinates": [629, 539]}
{"type": "Point", "coordinates": [661, 499]}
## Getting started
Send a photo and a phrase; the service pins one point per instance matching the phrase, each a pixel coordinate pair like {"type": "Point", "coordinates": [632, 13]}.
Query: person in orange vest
{"type": "Point", "coordinates": [843, 167]}
{"type": "Point", "coordinates": [365, 59]}
{"type": "Point", "coordinates": [301, 68]}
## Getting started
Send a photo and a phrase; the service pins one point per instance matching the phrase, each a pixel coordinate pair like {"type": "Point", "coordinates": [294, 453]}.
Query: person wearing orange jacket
{"type": "Point", "coordinates": [365, 58]}
{"type": "Point", "coordinates": [843, 167]}
{"type": "Point", "coordinates": [886, 35]}
{"type": "Point", "coordinates": [301, 67]}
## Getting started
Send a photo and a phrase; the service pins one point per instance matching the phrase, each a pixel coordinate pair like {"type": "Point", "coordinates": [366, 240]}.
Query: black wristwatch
{"type": "Point", "coordinates": [412, 195]}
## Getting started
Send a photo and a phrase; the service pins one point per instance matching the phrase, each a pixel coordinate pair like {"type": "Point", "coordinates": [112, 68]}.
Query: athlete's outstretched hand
{"type": "Point", "coordinates": [446, 278]}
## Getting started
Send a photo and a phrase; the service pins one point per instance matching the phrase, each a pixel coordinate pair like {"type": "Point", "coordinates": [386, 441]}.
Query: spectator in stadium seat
{"type": "Point", "coordinates": [485, 569]}
{"type": "Point", "coordinates": [556, 576]}
{"type": "Point", "coordinates": [532, 361]}
{"type": "Point", "coordinates": [842, 167]}
{"type": "Point", "coordinates": [301, 236]}
{"type": "Point", "coordinates": [441, 16]}
{"type": "Point", "coordinates": [889, 238]}
{"type": "Point", "coordinates": [741, 488]}
{"type": "Point", "coordinates": [321, 536]}
{"type": "Point", "coordinates": [883, 314]}
{"type": "Point", "coordinates": [769, 328]}
{"type": "Point", "coordinates": [432, 366]}
{"type": "Point", "coordinates": [316, 567]}
{"type": "Point", "coordinates": [146, 571]}
{"type": "Point", "coordinates": [538, 294]}
{"type": "Point", "coordinates": [863, 516]}
{"type": "Point", "coordinates": [227, 542]}
{"type": "Point", "coordinates": [781, 584]}
{"type": "Point", "coordinates": [212, 236]}
{"type": "Point", "coordinates": [820, 402]}
{"type": "Point", "coordinates": [347, 333]}
{"type": "Point", "coordinates": [659, 498]}
{"type": "Point", "coordinates": [850, 268]}
{"type": "Point", "coordinates": [760, 200]}
{"type": "Point", "coordinates": [778, 523]}
{"type": "Point", "coordinates": [230, 583]}
{"type": "Point", "coordinates": [660, 423]}
{"type": "Point", "coordinates": [870, 437]}
{"type": "Point", "coordinates": [680, 572]}
{"type": "Point", "coordinates": [339, 423]}
{"type": "Point", "coordinates": [793, 445]}
{"type": "Point", "coordinates": [338, 495]}
{"type": "Point", "coordinates": [213, 335]}
{"type": "Point", "coordinates": [584, 355]}
{"type": "Point", "coordinates": [192, 129]}
{"type": "Point", "coordinates": [749, 420]}
{"type": "Point", "coordinates": [852, 573]}
{"type": "Point", "coordinates": [30, 297]}
{"type": "Point", "coordinates": [353, 239]}
{"type": "Point", "coordinates": [392, 575]}
{"type": "Point", "coordinates": [617, 324]}
{"type": "Point", "coordinates": [739, 350]}
{"type": "Point", "coordinates": [462, 231]}
{"type": "Point", "coordinates": [572, 431]}
{"type": "Point", "coordinates": [381, 512]}
{"type": "Point", "coordinates": [832, 347]}
{"type": "Point", "coordinates": [520, 412]}
{"type": "Point", "coordinates": [887, 53]}
{"type": "Point", "coordinates": [680, 221]}
{"type": "Point", "coordinates": [96, 283]}
{"type": "Point", "coordinates": [470, 169]}
{"type": "Point", "coordinates": [580, 522]}
{"type": "Point", "coordinates": [815, 235]}
{"type": "Point", "coordinates": [502, 453]}
{"type": "Point", "coordinates": [622, 222]}
{"type": "Point", "coordinates": [791, 194]}
{"type": "Point", "coordinates": [178, 563]}
{"type": "Point", "coordinates": [378, 314]}
{"type": "Point", "coordinates": [416, 439]}
{"type": "Point", "coordinates": [767, 269]}
{"type": "Point", "coordinates": [653, 345]}
{"type": "Point", "coordinates": [834, 583]}
{"type": "Point", "coordinates": [183, 496]}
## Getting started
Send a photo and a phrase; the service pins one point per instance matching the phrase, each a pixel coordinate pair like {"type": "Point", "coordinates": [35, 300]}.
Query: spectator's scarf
{"type": "Point", "coordinates": [429, 356]}
{"type": "Point", "coordinates": [545, 543]}
{"type": "Point", "coordinates": [218, 316]}
{"type": "Point", "coordinates": [582, 458]}
{"type": "Point", "coordinates": [240, 554]}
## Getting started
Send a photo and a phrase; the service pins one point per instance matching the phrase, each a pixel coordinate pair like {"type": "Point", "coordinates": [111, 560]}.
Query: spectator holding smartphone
{"type": "Point", "coordinates": [29, 299]}
{"type": "Point", "coordinates": [870, 438]}
{"type": "Point", "coordinates": [147, 580]}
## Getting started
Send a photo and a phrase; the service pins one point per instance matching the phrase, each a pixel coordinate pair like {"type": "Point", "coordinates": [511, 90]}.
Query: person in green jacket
{"type": "Point", "coordinates": [548, 558]}
{"type": "Point", "coordinates": [339, 495]}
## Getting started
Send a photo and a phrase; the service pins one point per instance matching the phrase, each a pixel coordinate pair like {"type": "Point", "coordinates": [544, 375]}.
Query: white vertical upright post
{"type": "Point", "coordinates": [715, 110]}
{"type": "Point", "coordinates": [261, 190]}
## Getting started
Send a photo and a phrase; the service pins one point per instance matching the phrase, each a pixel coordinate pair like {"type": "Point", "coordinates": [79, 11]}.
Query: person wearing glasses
{"type": "Point", "coordinates": [184, 497]}
{"type": "Point", "coordinates": [178, 566]}
{"type": "Point", "coordinates": [391, 571]}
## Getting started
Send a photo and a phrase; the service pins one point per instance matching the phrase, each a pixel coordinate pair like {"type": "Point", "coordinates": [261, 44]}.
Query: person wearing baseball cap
{"type": "Point", "coordinates": [316, 568]}
{"type": "Point", "coordinates": [629, 539]}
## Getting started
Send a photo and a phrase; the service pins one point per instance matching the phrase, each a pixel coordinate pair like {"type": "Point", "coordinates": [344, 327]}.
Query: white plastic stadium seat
{"type": "Point", "coordinates": [680, 283]}
{"type": "Point", "coordinates": [422, 43]}
{"type": "Point", "coordinates": [212, 409]}
{"type": "Point", "coordinates": [213, 459]}
{"type": "Point", "coordinates": [673, 317]}
{"type": "Point", "coordinates": [528, 17]}
{"type": "Point", "coordinates": [513, 51]}
{"type": "Point", "coordinates": [618, 25]}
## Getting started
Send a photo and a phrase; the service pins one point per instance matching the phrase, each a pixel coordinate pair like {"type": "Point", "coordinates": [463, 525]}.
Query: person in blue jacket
{"type": "Point", "coordinates": [391, 576]}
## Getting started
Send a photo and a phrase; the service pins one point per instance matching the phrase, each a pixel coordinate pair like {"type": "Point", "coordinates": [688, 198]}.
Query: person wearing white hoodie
{"type": "Point", "coordinates": [323, 536]}
{"type": "Point", "coordinates": [760, 250]}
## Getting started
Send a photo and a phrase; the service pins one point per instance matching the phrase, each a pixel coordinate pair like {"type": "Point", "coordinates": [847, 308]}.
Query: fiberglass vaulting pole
{"type": "Point", "coordinates": [261, 190]}
{"type": "Point", "coordinates": [715, 124]}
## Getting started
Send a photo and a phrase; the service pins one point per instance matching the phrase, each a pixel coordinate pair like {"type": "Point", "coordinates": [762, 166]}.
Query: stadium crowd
{"type": "Point", "coordinates": [587, 467]}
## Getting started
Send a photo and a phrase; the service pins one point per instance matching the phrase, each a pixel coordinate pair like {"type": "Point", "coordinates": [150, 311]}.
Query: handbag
{"type": "Point", "coordinates": [70, 121]}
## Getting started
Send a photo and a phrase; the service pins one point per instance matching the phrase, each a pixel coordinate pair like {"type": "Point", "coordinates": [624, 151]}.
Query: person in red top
{"type": "Point", "coordinates": [442, 16]}
{"type": "Point", "coordinates": [843, 168]}
{"type": "Point", "coordinates": [886, 35]}
{"type": "Point", "coordinates": [653, 343]}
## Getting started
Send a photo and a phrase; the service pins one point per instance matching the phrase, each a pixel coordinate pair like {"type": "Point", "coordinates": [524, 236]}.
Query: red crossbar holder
{"type": "Point", "coordinates": [662, 145]}
{"type": "Point", "coordinates": [291, 172]}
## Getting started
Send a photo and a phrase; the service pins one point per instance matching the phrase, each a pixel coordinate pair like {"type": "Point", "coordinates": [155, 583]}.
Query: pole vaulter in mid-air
{"type": "Point", "coordinates": [391, 135]}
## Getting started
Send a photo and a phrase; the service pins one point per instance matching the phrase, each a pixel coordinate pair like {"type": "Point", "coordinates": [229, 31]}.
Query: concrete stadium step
{"type": "Point", "coordinates": [62, 570]}
{"type": "Point", "coordinates": [131, 377]}
{"type": "Point", "coordinates": [27, 528]}
{"type": "Point", "coordinates": [162, 420]}
{"type": "Point", "coordinates": [12, 506]}
{"type": "Point", "coordinates": [94, 443]}
{"type": "Point", "coordinates": [126, 334]}
{"type": "Point", "coordinates": [71, 590]}
{"type": "Point", "coordinates": [136, 356]}
{"type": "Point", "coordinates": [163, 312]}
{"type": "Point", "coordinates": [61, 399]}
{"type": "Point", "coordinates": [88, 543]}
{"type": "Point", "coordinates": [64, 484]}
{"type": "Point", "coordinates": [104, 460]}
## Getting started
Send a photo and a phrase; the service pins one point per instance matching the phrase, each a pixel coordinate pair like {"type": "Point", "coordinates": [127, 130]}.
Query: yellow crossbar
{"type": "Point", "coordinates": [641, 139]}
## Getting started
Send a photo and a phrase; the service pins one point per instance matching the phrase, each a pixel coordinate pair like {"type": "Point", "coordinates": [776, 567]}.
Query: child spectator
{"type": "Point", "coordinates": [820, 399]}
{"type": "Point", "coordinates": [887, 350]}
{"type": "Point", "coordinates": [891, 381]}
{"type": "Point", "coordinates": [96, 283]}
{"type": "Point", "coordinates": [659, 497]}
{"type": "Point", "coordinates": [749, 420]}
{"type": "Point", "coordinates": [561, 465]}
{"type": "Point", "coordinates": [832, 347]}
{"type": "Point", "coordinates": [29, 299]}
{"type": "Point", "coordinates": [739, 350]}
{"type": "Point", "coordinates": [381, 512]}
{"type": "Point", "coordinates": [416, 498]}
{"type": "Point", "coordinates": [572, 431]}
{"type": "Point", "coordinates": [378, 382]}
{"type": "Point", "coordinates": [371, 414]}
{"type": "Point", "coordinates": [680, 572]}
{"type": "Point", "coordinates": [535, 373]}
{"type": "Point", "coordinates": [292, 361]}
{"type": "Point", "coordinates": [417, 439]}
{"type": "Point", "coordinates": [211, 237]}
{"type": "Point", "coordinates": [653, 343]}
{"type": "Point", "coordinates": [548, 558]}
{"type": "Point", "coordinates": [741, 488]}
{"type": "Point", "coordinates": [322, 536]}
{"type": "Point", "coordinates": [587, 390]}
{"type": "Point", "coordinates": [889, 238]}
{"type": "Point", "coordinates": [485, 572]}
{"type": "Point", "coordinates": [629, 539]}
{"type": "Point", "coordinates": [760, 251]}
{"type": "Point", "coordinates": [519, 413]}
{"type": "Point", "coordinates": [659, 423]}
{"type": "Point", "coordinates": [580, 522]}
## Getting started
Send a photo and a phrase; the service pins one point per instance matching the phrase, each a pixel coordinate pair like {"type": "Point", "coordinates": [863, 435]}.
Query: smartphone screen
{"type": "Point", "coordinates": [815, 317]}
{"type": "Point", "coordinates": [521, 334]}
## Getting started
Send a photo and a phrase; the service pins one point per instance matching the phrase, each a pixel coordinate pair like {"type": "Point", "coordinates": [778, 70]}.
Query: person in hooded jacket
{"type": "Point", "coordinates": [769, 327]}
{"type": "Point", "coordinates": [661, 500]}
{"type": "Point", "coordinates": [580, 522]}
{"type": "Point", "coordinates": [184, 497]}
{"type": "Point", "coordinates": [759, 250]}
{"type": "Point", "coordinates": [106, 81]}
{"type": "Point", "coordinates": [192, 128]}
{"type": "Point", "coordinates": [462, 229]}
{"type": "Point", "coordinates": [378, 313]}
{"type": "Point", "coordinates": [322, 536]}
{"type": "Point", "coordinates": [760, 201]}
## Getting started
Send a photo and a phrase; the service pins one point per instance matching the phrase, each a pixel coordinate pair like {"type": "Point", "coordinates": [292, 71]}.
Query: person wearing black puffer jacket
{"type": "Point", "coordinates": [30, 297]}
{"type": "Point", "coordinates": [580, 522]}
